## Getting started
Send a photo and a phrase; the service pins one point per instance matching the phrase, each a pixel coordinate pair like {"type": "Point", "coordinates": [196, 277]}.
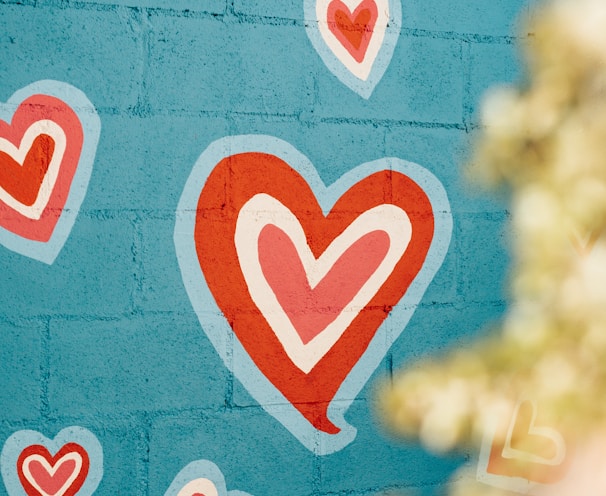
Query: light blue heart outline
{"type": "Point", "coordinates": [91, 125]}
{"type": "Point", "coordinates": [381, 63]}
{"type": "Point", "coordinates": [217, 327]}
{"type": "Point", "coordinates": [20, 440]}
{"type": "Point", "coordinates": [201, 469]}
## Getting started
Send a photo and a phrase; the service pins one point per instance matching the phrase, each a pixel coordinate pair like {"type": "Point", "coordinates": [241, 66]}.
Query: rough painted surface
{"type": "Point", "coordinates": [105, 338]}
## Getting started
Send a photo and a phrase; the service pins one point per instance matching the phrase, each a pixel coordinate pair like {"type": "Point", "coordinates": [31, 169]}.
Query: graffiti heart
{"type": "Point", "coordinates": [355, 38]}
{"type": "Point", "coordinates": [48, 139]}
{"type": "Point", "coordinates": [531, 456]}
{"type": "Point", "coordinates": [314, 282]}
{"type": "Point", "coordinates": [70, 464]}
{"type": "Point", "coordinates": [201, 478]}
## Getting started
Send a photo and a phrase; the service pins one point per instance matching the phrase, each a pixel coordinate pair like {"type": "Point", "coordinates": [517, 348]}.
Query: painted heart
{"type": "Point", "coordinates": [201, 478]}
{"type": "Point", "coordinates": [355, 38]}
{"type": "Point", "coordinates": [48, 138]}
{"type": "Point", "coordinates": [310, 280]}
{"type": "Point", "coordinates": [42, 474]}
{"type": "Point", "coordinates": [531, 455]}
{"type": "Point", "coordinates": [70, 464]}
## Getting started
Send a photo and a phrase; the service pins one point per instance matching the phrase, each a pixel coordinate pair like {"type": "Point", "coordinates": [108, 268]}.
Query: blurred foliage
{"type": "Point", "coordinates": [546, 141]}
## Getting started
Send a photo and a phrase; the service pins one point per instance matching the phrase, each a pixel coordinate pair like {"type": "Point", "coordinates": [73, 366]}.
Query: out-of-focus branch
{"type": "Point", "coordinates": [547, 142]}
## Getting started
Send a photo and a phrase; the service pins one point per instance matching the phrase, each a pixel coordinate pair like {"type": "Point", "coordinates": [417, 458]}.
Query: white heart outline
{"type": "Point", "coordinates": [18, 441]}
{"type": "Point", "coordinates": [76, 457]}
{"type": "Point", "coordinates": [262, 210]}
{"type": "Point", "coordinates": [18, 154]}
{"type": "Point", "coordinates": [219, 331]}
{"type": "Point", "coordinates": [314, 27]}
{"type": "Point", "coordinates": [91, 128]}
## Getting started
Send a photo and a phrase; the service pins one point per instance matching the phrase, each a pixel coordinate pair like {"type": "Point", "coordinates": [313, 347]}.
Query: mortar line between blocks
{"type": "Point", "coordinates": [45, 370]}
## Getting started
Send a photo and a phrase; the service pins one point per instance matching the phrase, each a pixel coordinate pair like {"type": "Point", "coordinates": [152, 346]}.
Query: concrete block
{"type": "Point", "coordinates": [434, 329]}
{"type": "Point", "coordinates": [207, 6]}
{"type": "Point", "coordinates": [207, 65]}
{"type": "Point", "coordinates": [495, 18]}
{"type": "Point", "coordinates": [272, 9]}
{"type": "Point", "coordinates": [92, 274]}
{"type": "Point", "coordinates": [160, 362]}
{"type": "Point", "coordinates": [484, 256]}
{"type": "Point", "coordinates": [162, 288]}
{"type": "Point", "coordinates": [21, 369]}
{"type": "Point", "coordinates": [423, 83]}
{"type": "Point", "coordinates": [76, 46]}
{"type": "Point", "coordinates": [143, 162]}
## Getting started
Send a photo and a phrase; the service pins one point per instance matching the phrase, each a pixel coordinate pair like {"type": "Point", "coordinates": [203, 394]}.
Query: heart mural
{"type": "Point", "coordinates": [355, 38]}
{"type": "Point", "coordinates": [200, 478]}
{"type": "Point", "coordinates": [313, 282]}
{"type": "Point", "coordinates": [70, 464]}
{"type": "Point", "coordinates": [532, 456]}
{"type": "Point", "coordinates": [49, 132]}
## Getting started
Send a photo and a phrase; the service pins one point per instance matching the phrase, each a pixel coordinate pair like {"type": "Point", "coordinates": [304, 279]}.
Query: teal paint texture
{"type": "Point", "coordinates": [106, 338]}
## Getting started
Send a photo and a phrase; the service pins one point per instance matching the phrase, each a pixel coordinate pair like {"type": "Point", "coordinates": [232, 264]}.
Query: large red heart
{"type": "Point", "coordinates": [39, 153]}
{"type": "Point", "coordinates": [353, 29]}
{"type": "Point", "coordinates": [63, 474]}
{"type": "Point", "coordinates": [240, 179]}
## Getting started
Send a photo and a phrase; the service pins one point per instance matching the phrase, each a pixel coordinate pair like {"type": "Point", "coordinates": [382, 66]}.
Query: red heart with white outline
{"type": "Point", "coordinates": [386, 213]}
{"type": "Point", "coordinates": [42, 474]}
{"type": "Point", "coordinates": [354, 31]}
{"type": "Point", "coordinates": [39, 154]}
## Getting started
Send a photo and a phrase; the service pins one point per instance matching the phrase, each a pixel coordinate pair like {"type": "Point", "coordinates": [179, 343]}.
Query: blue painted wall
{"type": "Point", "coordinates": [106, 338]}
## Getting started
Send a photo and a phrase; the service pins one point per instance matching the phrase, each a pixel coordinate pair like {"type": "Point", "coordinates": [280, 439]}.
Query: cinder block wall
{"type": "Point", "coordinates": [106, 337]}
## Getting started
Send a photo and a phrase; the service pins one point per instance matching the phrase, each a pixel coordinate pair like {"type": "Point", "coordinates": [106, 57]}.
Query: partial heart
{"type": "Point", "coordinates": [47, 146]}
{"type": "Point", "coordinates": [71, 464]}
{"type": "Point", "coordinates": [520, 453]}
{"type": "Point", "coordinates": [200, 478]}
{"type": "Point", "coordinates": [306, 277]}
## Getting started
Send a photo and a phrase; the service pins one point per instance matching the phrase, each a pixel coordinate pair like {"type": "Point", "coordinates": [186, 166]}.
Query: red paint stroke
{"type": "Point", "coordinates": [353, 30]}
{"type": "Point", "coordinates": [234, 181]}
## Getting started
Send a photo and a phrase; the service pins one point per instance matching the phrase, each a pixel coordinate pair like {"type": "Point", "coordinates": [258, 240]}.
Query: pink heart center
{"type": "Point", "coordinates": [353, 30]}
{"type": "Point", "coordinates": [311, 310]}
{"type": "Point", "coordinates": [52, 484]}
